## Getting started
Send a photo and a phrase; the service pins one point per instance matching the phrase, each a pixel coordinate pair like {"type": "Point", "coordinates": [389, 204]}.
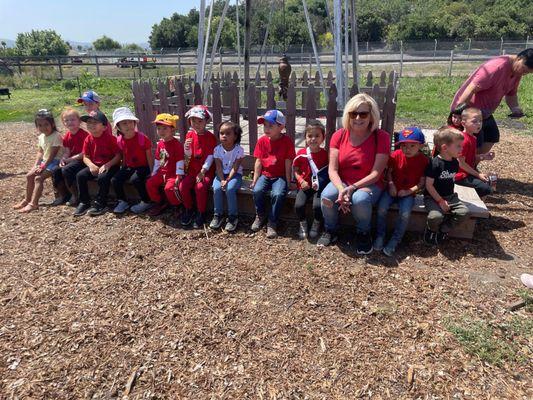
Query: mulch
{"type": "Point", "coordinates": [129, 307]}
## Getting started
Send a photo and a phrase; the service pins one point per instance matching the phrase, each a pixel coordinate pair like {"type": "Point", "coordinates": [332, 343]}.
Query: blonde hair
{"type": "Point", "coordinates": [469, 112]}
{"type": "Point", "coordinates": [354, 103]}
{"type": "Point", "coordinates": [445, 135]}
{"type": "Point", "coordinates": [70, 111]}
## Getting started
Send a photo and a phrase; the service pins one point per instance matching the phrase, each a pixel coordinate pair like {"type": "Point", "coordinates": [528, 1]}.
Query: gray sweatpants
{"type": "Point", "coordinates": [445, 222]}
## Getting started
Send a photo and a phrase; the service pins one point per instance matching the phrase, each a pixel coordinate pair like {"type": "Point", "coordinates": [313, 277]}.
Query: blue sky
{"type": "Point", "coordinates": [84, 21]}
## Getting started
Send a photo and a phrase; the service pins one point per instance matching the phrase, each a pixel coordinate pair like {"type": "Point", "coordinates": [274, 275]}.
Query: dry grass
{"type": "Point", "coordinates": [111, 307]}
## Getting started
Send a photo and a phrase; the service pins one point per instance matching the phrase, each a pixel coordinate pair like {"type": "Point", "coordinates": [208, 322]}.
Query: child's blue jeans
{"type": "Point", "coordinates": [231, 195]}
{"type": "Point", "coordinates": [362, 202]}
{"type": "Point", "coordinates": [405, 205]}
{"type": "Point", "coordinates": [278, 191]}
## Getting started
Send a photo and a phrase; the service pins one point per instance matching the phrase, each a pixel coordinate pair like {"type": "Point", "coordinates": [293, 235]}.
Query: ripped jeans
{"type": "Point", "coordinates": [405, 205]}
{"type": "Point", "coordinates": [362, 202]}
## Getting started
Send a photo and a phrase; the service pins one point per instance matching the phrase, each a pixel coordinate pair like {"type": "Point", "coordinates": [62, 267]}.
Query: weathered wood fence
{"type": "Point", "coordinates": [227, 99]}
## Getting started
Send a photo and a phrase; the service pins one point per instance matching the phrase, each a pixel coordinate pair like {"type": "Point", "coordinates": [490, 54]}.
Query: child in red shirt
{"type": "Point", "coordinates": [137, 161]}
{"type": "Point", "coordinates": [311, 173]}
{"type": "Point", "coordinates": [101, 156]}
{"type": "Point", "coordinates": [72, 160]}
{"type": "Point", "coordinates": [471, 119]}
{"type": "Point", "coordinates": [273, 154]}
{"type": "Point", "coordinates": [168, 165]}
{"type": "Point", "coordinates": [91, 102]}
{"type": "Point", "coordinates": [200, 169]}
{"type": "Point", "coordinates": [406, 178]}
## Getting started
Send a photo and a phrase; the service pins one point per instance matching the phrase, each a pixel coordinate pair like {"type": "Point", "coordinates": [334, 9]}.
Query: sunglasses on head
{"type": "Point", "coordinates": [43, 113]}
{"type": "Point", "coordinates": [362, 114]}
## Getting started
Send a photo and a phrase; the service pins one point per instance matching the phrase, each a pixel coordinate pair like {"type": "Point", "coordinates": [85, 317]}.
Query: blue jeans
{"type": "Point", "coordinates": [231, 195]}
{"type": "Point", "coordinates": [362, 202]}
{"type": "Point", "coordinates": [405, 205]}
{"type": "Point", "coordinates": [278, 191]}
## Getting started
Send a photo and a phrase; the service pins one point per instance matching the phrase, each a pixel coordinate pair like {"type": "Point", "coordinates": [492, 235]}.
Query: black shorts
{"type": "Point", "coordinates": [489, 132]}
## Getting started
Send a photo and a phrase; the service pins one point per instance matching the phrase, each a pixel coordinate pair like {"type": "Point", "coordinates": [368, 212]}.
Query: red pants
{"type": "Point", "coordinates": [188, 184]}
{"type": "Point", "coordinates": [154, 184]}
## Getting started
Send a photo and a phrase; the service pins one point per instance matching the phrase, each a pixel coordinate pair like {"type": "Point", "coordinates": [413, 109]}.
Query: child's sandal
{"type": "Point", "coordinates": [20, 205]}
{"type": "Point", "coordinates": [28, 208]}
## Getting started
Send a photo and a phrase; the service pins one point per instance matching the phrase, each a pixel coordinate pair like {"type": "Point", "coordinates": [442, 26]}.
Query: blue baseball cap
{"type": "Point", "coordinates": [91, 96]}
{"type": "Point", "coordinates": [412, 134]}
{"type": "Point", "coordinates": [272, 116]}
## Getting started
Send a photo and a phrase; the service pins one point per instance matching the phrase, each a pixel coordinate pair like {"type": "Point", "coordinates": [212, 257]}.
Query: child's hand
{"type": "Point", "coordinates": [404, 193]}
{"type": "Point", "coordinates": [63, 162]}
{"type": "Point", "coordinates": [252, 184]}
{"type": "Point", "coordinates": [314, 186]}
{"type": "Point", "coordinates": [200, 177]}
{"type": "Point", "coordinates": [304, 185]}
{"type": "Point", "coordinates": [392, 190]}
{"type": "Point", "coordinates": [223, 184]}
{"type": "Point", "coordinates": [102, 169]}
{"type": "Point", "coordinates": [444, 205]}
{"type": "Point", "coordinates": [187, 146]}
{"type": "Point", "coordinates": [483, 177]}
{"type": "Point", "coordinates": [38, 169]}
{"type": "Point", "coordinates": [94, 170]}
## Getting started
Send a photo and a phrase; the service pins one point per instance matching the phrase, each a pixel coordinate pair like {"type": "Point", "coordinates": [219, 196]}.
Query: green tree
{"type": "Point", "coordinates": [106, 43]}
{"type": "Point", "coordinates": [41, 43]}
{"type": "Point", "coordinates": [133, 47]}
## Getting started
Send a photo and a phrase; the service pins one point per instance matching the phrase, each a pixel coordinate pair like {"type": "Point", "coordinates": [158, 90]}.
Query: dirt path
{"type": "Point", "coordinates": [99, 307]}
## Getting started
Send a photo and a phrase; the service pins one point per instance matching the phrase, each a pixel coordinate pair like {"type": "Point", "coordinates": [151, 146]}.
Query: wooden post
{"type": "Point", "coordinates": [331, 117]}
{"type": "Point", "coordinates": [435, 50]}
{"type": "Point", "coordinates": [291, 111]}
{"type": "Point", "coordinates": [139, 66]}
{"type": "Point", "coordinates": [216, 107]}
{"type": "Point", "coordinates": [97, 66]}
{"type": "Point", "coordinates": [401, 58]}
{"type": "Point", "coordinates": [19, 66]}
{"type": "Point", "coordinates": [198, 98]}
{"type": "Point", "coordinates": [179, 62]}
{"type": "Point", "coordinates": [182, 109]}
{"type": "Point", "coordinates": [234, 109]}
{"type": "Point", "coordinates": [310, 106]}
{"type": "Point", "coordinates": [252, 117]}
{"type": "Point", "coordinates": [247, 37]}
{"type": "Point", "coordinates": [501, 45]}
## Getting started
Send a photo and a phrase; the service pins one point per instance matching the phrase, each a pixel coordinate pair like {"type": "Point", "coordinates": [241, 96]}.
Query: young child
{"type": "Point", "coordinates": [168, 168]}
{"type": "Point", "coordinates": [91, 102]}
{"type": "Point", "coordinates": [72, 161]}
{"type": "Point", "coordinates": [228, 156]}
{"type": "Point", "coordinates": [472, 120]}
{"type": "Point", "coordinates": [445, 210]}
{"type": "Point", "coordinates": [47, 161]}
{"type": "Point", "coordinates": [311, 172]}
{"type": "Point", "coordinates": [101, 156]}
{"type": "Point", "coordinates": [454, 118]}
{"type": "Point", "coordinates": [199, 171]}
{"type": "Point", "coordinates": [137, 161]}
{"type": "Point", "coordinates": [273, 154]}
{"type": "Point", "coordinates": [405, 178]}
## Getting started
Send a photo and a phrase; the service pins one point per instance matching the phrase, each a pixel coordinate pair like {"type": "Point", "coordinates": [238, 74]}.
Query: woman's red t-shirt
{"type": "Point", "coordinates": [356, 162]}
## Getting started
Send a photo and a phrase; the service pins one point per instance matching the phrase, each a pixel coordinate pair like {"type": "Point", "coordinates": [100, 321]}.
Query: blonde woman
{"type": "Point", "coordinates": [358, 155]}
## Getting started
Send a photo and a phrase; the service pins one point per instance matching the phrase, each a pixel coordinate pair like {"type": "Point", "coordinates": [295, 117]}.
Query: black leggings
{"type": "Point", "coordinates": [302, 197]}
{"type": "Point", "coordinates": [103, 180]}
{"type": "Point", "coordinates": [67, 173]}
{"type": "Point", "coordinates": [135, 176]}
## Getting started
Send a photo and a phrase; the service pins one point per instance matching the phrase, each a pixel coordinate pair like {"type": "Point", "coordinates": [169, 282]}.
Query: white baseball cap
{"type": "Point", "coordinates": [123, 114]}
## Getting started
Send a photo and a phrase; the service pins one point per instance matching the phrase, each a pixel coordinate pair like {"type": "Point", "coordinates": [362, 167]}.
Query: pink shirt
{"type": "Point", "coordinates": [495, 80]}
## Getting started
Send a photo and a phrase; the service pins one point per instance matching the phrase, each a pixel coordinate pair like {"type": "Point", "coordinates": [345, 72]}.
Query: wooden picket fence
{"type": "Point", "coordinates": [305, 99]}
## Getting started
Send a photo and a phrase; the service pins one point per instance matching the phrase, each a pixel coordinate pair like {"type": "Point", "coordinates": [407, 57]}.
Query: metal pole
{"type": "Point", "coordinates": [469, 48]}
{"type": "Point", "coordinates": [266, 36]}
{"type": "Point", "coordinates": [451, 65]}
{"type": "Point", "coordinates": [206, 44]}
{"type": "Point", "coordinates": [501, 45]}
{"type": "Point", "coordinates": [247, 11]}
{"type": "Point", "coordinates": [527, 42]}
{"type": "Point", "coordinates": [97, 66]}
{"type": "Point", "coordinates": [355, 46]}
{"type": "Point", "coordinates": [139, 65]}
{"type": "Point", "coordinates": [179, 61]}
{"type": "Point", "coordinates": [238, 38]}
{"type": "Point", "coordinates": [346, 51]}
{"type": "Point", "coordinates": [339, 78]}
{"type": "Point", "coordinates": [401, 58]}
{"type": "Point", "coordinates": [435, 50]}
{"type": "Point", "coordinates": [60, 69]}
{"type": "Point", "coordinates": [205, 85]}
{"type": "Point", "coordinates": [315, 50]}
{"type": "Point", "coordinates": [200, 50]}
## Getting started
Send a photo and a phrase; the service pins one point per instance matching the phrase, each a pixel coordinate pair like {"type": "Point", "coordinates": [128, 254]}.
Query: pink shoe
{"type": "Point", "coordinates": [527, 279]}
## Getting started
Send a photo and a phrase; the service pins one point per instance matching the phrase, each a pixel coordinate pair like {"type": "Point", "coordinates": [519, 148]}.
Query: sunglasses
{"type": "Point", "coordinates": [362, 114]}
{"type": "Point", "coordinates": [43, 113]}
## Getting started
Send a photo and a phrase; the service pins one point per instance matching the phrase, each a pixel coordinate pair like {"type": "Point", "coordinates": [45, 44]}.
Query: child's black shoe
{"type": "Point", "coordinates": [81, 209]}
{"type": "Point", "coordinates": [364, 243]}
{"type": "Point", "coordinates": [186, 217]}
{"type": "Point", "coordinates": [430, 237]}
{"type": "Point", "coordinates": [97, 209]}
{"type": "Point", "coordinates": [199, 221]}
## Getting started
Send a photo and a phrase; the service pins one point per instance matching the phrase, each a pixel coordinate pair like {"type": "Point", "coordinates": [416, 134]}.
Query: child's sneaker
{"type": "Point", "coordinates": [158, 209]}
{"type": "Point", "coordinates": [258, 223]}
{"type": "Point", "coordinates": [121, 207]}
{"type": "Point", "coordinates": [231, 225]}
{"type": "Point", "coordinates": [140, 207]}
{"type": "Point", "coordinates": [441, 237]}
{"type": "Point", "coordinates": [97, 209]}
{"type": "Point", "coordinates": [378, 243]}
{"type": "Point", "coordinates": [59, 201]}
{"type": "Point", "coordinates": [302, 230]}
{"type": "Point", "coordinates": [271, 230]}
{"type": "Point", "coordinates": [315, 229]}
{"type": "Point", "coordinates": [364, 243]}
{"type": "Point", "coordinates": [186, 217]}
{"type": "Point", "coordinates": [326, 239]}
{"type": "Point", "coordinates": [81, 209]}
{"type": "Point", "coordinates": [216, 222]}
{"type": "Point", "coordinates": [389, 249]}
{"type": "Point", "coordinates": [430, 237]}
{"type": "Point", "coordinates": [199, 221]}
{"type": "Point", "coordinates": [73, 201]}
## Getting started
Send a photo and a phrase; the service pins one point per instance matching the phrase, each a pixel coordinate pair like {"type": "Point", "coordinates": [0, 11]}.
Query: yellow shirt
{"type": "Point", "coordinates": [48, 142]}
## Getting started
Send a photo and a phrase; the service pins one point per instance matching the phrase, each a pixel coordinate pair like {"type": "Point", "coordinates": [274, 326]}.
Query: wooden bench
{"type": "Point", "coordinates": [5, 92]}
